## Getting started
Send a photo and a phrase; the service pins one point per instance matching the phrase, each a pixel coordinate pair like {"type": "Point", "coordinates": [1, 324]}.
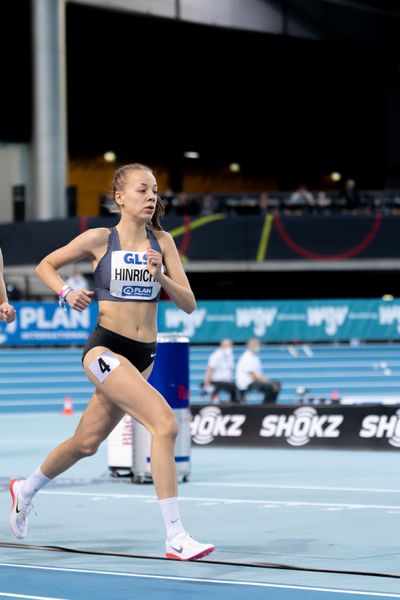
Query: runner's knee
{"type": "Point", "coordinates": [85, 448]}
{"type": "Point", "coordinates": [167, 427]}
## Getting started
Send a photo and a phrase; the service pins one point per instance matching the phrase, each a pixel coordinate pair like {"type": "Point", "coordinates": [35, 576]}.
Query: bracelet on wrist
{"type": "Point", "coordinates": [62, 296]}
{"type": "Point", "coordinates": [64, 290]}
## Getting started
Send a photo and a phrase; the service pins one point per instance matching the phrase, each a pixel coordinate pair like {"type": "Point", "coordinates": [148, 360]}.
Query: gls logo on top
{"type": "Point", "coordinates": [131, 258]}
{"type": "Point", "coordinates": [303, 425]}
{"type": "Point", "coordinates": [382, 426]}
{"type": "Point", "coordinates": [210, 423]}
{"type": "Point", "coordinates": [136, 290]}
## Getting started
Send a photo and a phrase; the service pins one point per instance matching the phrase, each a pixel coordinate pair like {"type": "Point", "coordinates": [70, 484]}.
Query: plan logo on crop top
{"type": "Point", "coordinates": [137, 291]}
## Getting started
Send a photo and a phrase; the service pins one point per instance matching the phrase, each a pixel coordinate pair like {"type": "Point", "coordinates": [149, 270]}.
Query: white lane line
{"type": "Point", "coordinates": [28, 442]}
{"type": "Point", "coordinates": [35, 403]}
{"type": "Point", "coordinates": [10, 595]}
{"type": "Point", "coordinates": [47, 389]}
{"type": "Point", "coordinates": [296, 487]}
{"type": "Point", "coordinates": [32, 414]}
{"type": "Point", "coordinates": [223, 500]}
{"type": "Point", "coordinates": [204, 580]}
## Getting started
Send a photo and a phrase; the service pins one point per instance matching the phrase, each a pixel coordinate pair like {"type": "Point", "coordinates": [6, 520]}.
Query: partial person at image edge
{"type": "Point", "coordinates": [7, 311]}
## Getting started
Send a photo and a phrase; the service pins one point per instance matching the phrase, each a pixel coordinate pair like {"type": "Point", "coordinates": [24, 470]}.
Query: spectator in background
{"type": "Point", "coordinates": [301, 198]}
{"type": "Point", "coordinates": [168, 198]}
{"type": "Point", "coordinates": [7, 311]}
{"type": "Point", "coordinates": [220, 370]}
{"type": "Point", "coordinates": [13, 292]}
{"type": "Point", "coordinates": [322, 202]}
{"type": "Point", "coordinates": [351, 197]}
{"type": "Point", "coordinates": [377, 204]}
{"type": "Point", "coordinates": [184, 205]}
{"type": "Point", "coordinates": [249, 374]}
{"type": "Point", "coordinates": [77, 281]}
{"type": "Point", "coordinates": [263, 204]}
{"type": "Point", "coordinates": [209, 205]}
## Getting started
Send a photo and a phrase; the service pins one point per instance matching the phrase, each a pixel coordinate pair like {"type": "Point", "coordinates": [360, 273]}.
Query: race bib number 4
{"type": "Point", "coordinates": [103, 365]}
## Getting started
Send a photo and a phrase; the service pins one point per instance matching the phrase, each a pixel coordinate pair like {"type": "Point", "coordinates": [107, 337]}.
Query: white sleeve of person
{"type": "Point", "coordinates": [103, 365]}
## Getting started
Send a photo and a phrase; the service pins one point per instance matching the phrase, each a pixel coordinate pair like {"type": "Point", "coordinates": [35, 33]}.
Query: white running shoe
{"type": "Point", "coordinates": [183, 547]}
{"type": "Point", "coordinates": [20, 510]}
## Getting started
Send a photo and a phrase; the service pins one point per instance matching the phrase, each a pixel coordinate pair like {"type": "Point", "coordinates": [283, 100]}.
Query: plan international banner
{"type": "Point", "coordinates": [47, 324]}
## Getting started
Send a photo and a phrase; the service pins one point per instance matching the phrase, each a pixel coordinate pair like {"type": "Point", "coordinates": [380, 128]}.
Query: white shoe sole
{"type": "Point", "coordinates": [14, 500]}
{"type": "Point", "coordinates": [201, 554]}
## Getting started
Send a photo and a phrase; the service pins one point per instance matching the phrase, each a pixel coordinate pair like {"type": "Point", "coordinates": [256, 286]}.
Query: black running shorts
{"type": "Point", "coordinates": [140, 354]}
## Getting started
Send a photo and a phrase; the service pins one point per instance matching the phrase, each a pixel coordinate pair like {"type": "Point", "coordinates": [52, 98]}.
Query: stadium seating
{"type": "Point", "coordinates": [40, 379]}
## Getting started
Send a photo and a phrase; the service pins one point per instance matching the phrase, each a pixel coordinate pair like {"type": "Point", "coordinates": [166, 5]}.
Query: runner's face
{"type": "Point", "coordinates": [138, 197]}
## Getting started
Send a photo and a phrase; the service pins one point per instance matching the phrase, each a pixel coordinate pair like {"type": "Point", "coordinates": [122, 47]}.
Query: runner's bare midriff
{"type": "Point", "coordinates": [134, 320]}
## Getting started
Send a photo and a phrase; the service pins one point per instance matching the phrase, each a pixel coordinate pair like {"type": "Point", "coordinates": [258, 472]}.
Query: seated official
{"type": "Point", "coordinates": [219, 374]}
{"type": "Point", "coordinates": [249, 375]}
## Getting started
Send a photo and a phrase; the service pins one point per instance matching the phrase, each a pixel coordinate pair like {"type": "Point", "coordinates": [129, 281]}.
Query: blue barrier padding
{"type": "Point", "coordinates": [178, 459]}
{"type": "Point", "coordinates": [170, 374]}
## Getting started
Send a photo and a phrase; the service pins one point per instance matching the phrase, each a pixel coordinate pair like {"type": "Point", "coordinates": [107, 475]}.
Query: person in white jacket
{"type": "Point", "coordinates": [220, 372]}
{"type": "Point", "coordinates": [249, 374]}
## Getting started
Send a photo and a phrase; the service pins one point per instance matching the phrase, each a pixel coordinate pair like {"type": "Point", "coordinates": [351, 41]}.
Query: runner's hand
{"type": "Point", "coordinates": [154, 263]}
{"type": "Point", "coordinates": [79, 299]}
{"type": "Point", "coordinates": [7, 312]}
